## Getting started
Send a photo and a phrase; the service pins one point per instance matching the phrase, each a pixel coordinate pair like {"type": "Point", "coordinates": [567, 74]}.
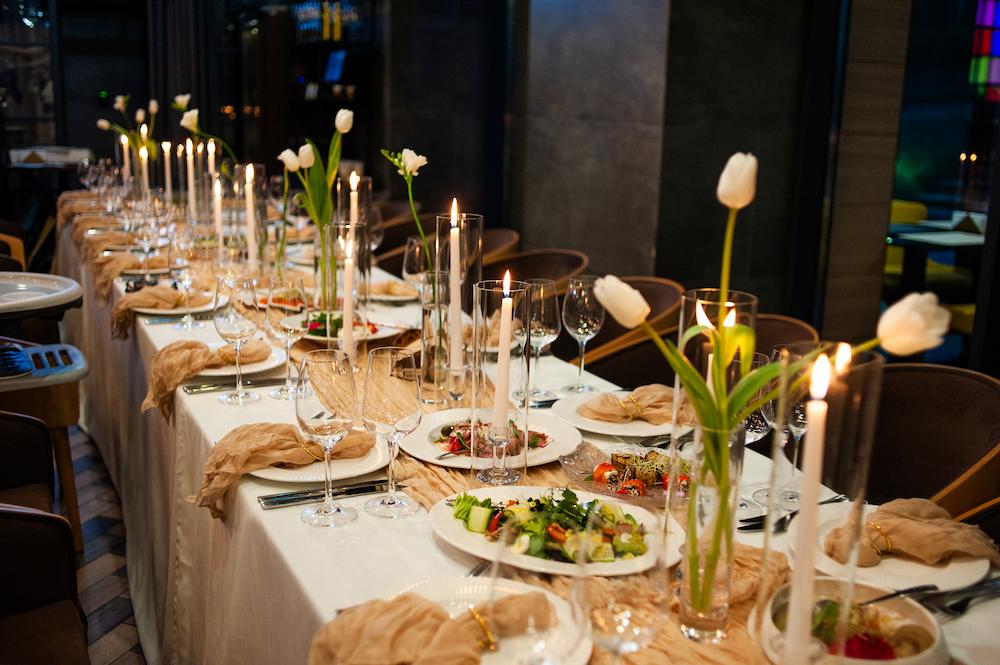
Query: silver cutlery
{"type": "Point", "coordinates": [910, 591]}
{"type": "Point", "coordinates": [158, 320]}
{"type": "Point", "coordinates": [478, 569]}
{"type": "Point", "coordinates": [955, 603]}
{"type": "Point", "coordinates": [299, 497]}
{"type": "Point", "coordinates": [780, 525]}
{"type": "Point", "coordinates": [202, 388]}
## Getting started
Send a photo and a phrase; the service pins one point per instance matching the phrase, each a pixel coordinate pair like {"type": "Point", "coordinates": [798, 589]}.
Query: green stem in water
{"type": "Point", "coordinates": [279, 259]}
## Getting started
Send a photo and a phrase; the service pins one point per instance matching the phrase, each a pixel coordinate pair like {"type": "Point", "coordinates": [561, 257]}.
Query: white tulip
{"type": "Point", "coordinates": [120, 103]}
{"type": "Point", "coordinates": [289, 159]}
{"type": "Point", "coordinates": [622, 301]}
{"type": "Point", "coordinates": [738, 182]}
{"type": "Point", "coordinates": [344, 121]}
{"type": "Point", "coordinates": [412, 162]}
{"type": "Point", "coordinates": [103, 124]}
{"type": "Point", "coordinates": [182, 101]}
{"type": "Point", "coordinates": [189, 120]}
{"type": "Point", "coordinates": [914, 324]}
{"type": "Point", "coordinates": [306, 156]}
{"type": "Point", "coordinates": [154, 106]}
{"type": "Point", "coordinates": [140, 116]}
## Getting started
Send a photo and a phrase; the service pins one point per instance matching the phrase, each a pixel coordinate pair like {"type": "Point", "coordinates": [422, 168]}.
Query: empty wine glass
{"type": "Point", "coordinates": [326, 407]}
{"type": "Point", "coordinates": [180, 261]}
{"type": "Point", "coordinates": [391, 409]}
{"type": "Point", "coordinates": [285, 320]}
{"type": "Point", "coordinates": [583, 316]}
{"type": "Point", "coordinates": [544, 326]}
{"type": "Point", "coordinates": [146, 235]}
{"type": "Point", "coordinates": [230, 260]}
{"type": "Point", "coordinates": [235, 317]}
{"type": "Point", "coordinates": [376, 231]}
{"type": "Point", "coordinates": [757, 425]}
{"type": "Point", "coordinates": [414, 261]}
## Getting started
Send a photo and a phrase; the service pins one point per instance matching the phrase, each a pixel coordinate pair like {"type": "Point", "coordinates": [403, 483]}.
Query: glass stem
{"type": "Point", "coordinates": [239, 374]}
{"type": "Point", "coordinates": [288, 366]}
{"type": "Point", "coordinates": [500, 450]}
{"type": "Point", "coordinates": [188, 319]}
{"type": "Point", "coordinates": [391, 470]}
{"type": "Point", "coordinates": [328, 486]}
{"type": "Point", "coordinates": [533, 383]}
{"type": "Point", "coordinates": [579, 374]}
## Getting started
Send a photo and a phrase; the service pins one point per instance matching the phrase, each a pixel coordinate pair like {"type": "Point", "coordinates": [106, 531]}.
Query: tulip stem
{"type": "Point", "coordinates": [727, 257]}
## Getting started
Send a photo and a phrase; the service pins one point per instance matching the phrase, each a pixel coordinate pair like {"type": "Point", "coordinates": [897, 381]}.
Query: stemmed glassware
{"type": "Point", "coordinates": [147, 235]}
{"type": "Point", "coordinates": [391, 409]}
{"type": "Point", "coordinates": [544, 325]}
{"type": "Point", "coordinates": [376, 233]}
{"type": "Point", "coordinates": [285, 320]}
{"type": "Point", "coordinates": [326, 407]}
{"type": "Point", "coordinates": [583, 317]}
{"type": "Point", "coordinates": [179, 260]}
{"type": "Point", "coordinates": [414, 261]}
{"type": "Point", "coordinates": [236, 322]}
{"type": "Point", "coordinates": [757, 425]}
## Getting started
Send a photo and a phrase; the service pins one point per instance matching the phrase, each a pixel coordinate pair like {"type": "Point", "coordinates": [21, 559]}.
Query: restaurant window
{"type": "Point", "coordinates": [26, 86]}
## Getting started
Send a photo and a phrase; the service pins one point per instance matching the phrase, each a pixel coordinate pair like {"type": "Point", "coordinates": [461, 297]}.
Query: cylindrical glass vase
{"type": "Point", "coordinates": [434, 341]}
{"type": "Point", "coordinates": [470, 234]}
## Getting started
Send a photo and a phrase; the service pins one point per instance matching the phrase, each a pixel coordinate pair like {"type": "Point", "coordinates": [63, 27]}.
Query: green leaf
{"type": "Point", "coordinates": [333, 160]}
{"type": "Point", "coordinates": [693, 332]}
{"type": "Point", "coordinates": [318, 189]}
{"type": "Point", "coordinates": [739, 338]}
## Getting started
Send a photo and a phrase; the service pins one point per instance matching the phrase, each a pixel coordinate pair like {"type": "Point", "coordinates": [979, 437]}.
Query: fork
{"type": "Point", "coordinates": [478, 569]}
{"type": "Point", "coordinates": [953, 604]}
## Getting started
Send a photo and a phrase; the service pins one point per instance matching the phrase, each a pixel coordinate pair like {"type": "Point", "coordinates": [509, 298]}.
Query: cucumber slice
{"type": "Point", "coordinates": [603, 552]}
{"type": "Point", "coordinates": [479, 519]}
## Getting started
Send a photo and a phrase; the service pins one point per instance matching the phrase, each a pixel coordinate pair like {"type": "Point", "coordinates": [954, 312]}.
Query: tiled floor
{"type": "Point", "coordinates": [101, 577]}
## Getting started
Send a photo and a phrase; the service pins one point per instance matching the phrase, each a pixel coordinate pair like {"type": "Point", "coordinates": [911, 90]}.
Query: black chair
{"type": "Point", "coordinates": [26, 476]}
{"type": "Point", "coordinates": [555, 264]}
{"type": "Point", "coordinates": [775, 329]}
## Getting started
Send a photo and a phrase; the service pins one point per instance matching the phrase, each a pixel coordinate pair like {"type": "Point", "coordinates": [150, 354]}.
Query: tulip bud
{"type": "Point", "coordinates": [738, 182]}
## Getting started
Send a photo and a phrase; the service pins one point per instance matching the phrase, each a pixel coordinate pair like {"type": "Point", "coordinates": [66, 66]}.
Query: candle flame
{"type": "Point", "coordinates": [123, 139]}
{"type": "Point", "coordinates": [211, 146]}
{"type": "Point", "coordinates": [820, 379]}
{"type": "Point", "coordinates": [354, 179]}
{"type": "Point", "coordinates": [701, 317]}
{"type": "Point", "coordinates": [201, 149]}
{"type": "Point", "coordinates": [730, 319]}
{"type": "Point", "coordinates": [190, 147]}
{"type": "Point", "coordinates": [506, 283]}
{"type": "Point", "coordinates": [143, 130]}
{"type": "Point", "coordinates": [249, 174]}
{"type": "Point", "coordinates": [842, 361]}
{"type": "Point", "coordinates": [143, 153]}
{"type": "Point", "coordinates": [180, 149]}
{"type": "Point", "coordinates": [166, 147]}
{"type": "Point", "coordinates": [454, 213]}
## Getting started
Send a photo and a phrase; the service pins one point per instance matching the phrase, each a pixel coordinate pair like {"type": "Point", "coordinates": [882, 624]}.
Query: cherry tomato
{"type": "Point", "coordinates": [557, 533]}
{"type": "Point", "coordinates": [494, 522]}
{"type": "Point", "coordinates": [634, 487]}
{"type": "Point", "coordinates": [601, 471]}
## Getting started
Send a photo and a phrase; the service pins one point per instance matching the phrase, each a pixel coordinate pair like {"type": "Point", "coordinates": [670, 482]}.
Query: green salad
{"type": "Point", "coordinates": [556, 528]}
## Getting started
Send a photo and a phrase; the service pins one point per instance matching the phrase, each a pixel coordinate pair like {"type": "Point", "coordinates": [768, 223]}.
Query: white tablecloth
{"type": "Point", "coordinates": [255, 588]}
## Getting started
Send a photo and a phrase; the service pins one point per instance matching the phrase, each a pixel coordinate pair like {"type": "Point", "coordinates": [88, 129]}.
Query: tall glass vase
{"type": "Point", "coordinates": [706, 503]}
{"type": "Point", "coordinates": [434, 342]}
{"type": "Point", "coordinates": [325, 265]}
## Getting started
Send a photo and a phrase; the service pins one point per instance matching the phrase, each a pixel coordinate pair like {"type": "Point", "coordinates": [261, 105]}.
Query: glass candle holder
{"type": "Point", "coordinates": [470, 264]}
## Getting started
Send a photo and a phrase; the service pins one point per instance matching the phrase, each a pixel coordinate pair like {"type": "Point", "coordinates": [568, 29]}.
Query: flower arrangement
{"type": "Point", "coordinates": [408, 164]}
{"type": "Point", "coordinates": [189, 121]}
{"type": "Point", "coordinates": [134, 128]}
{"type": "Point", "coordinates": [914, 324]}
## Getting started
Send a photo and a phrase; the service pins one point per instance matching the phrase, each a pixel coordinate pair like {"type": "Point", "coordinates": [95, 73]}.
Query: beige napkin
{"type": "Point", "coordinates": [84, 223]}
{"type": "Point", "coordinates": [653, 403]}
{"type": "Point", "coordinates": [181, 360]}
{"type": "Point", "coordinates": [72, 195]}
{"type": "Point", "coordinates": [393, 288]}
{"type": "Point", "coordinates": [492, 331]}
{"type": "Point", "coordinates": [915, 528]}
{"type": "Point", "coordinates": [161, 296]}
{"type": "Point", "coordinates": [260, 445]}
{"type": "Point", "coordinates": [71, 208]}
{"type": "Point", "coordinates": [94, 245]}
{"type": "Point", "coordinates": [107, 268]}
{"type": "Point", "coordinates": [411, 629]}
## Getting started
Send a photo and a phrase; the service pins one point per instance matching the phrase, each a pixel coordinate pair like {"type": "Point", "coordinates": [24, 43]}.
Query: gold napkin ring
{"type": "Point", "coordinates": [888, 541]}
{"type": "Point", "coordinates": [489, 643]}
{"type": "Point", "coordinates": [628, 411]}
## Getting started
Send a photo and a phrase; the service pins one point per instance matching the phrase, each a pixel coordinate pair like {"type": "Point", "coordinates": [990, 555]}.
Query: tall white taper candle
{"type": "Point", "coordinates": [501, 396]}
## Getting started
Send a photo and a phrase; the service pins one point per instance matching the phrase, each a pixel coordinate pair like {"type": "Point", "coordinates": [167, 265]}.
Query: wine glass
{"type": "Point", "coordinates": [414, 261]}
{"type": "Point", "coordinates": [756, 424]}
{"type": "Point", "coordinates": [285, 320]}
{"type": "Point", "coordinates": [326, 407]}
{"type": "Point", "coordinates": [180, 255]}
{"type": "Point", "coordinates": [235, 317]}
{"type": "Point", "coordinates": [376, 231]}
{"type": "Point", "coordinates": [230, 261]}
{"type": "Point", "coordinates": [146, 235]}
{"type": "Point", "coordinates": [583, 317]}
{"type": "Point", "coordinates": [544, 326]}
{"type": "Point", "coordinates": [390, 409]}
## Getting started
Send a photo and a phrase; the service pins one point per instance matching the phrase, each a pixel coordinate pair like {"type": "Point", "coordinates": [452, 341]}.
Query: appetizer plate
{"type": "Point", "coordinates": [893, 572]}
{"type": "Point", "coordinates": [152, 311]}
{"type": "Point", "coordinates": [563, 439]}
{"type": "Point", "coordinates": [579, 465]}
{"type": "Point", "coordinates": [276, 359]}
{"type": "Point", "coordinates": [564, 642]}
{"type": "Point", "coordinates": [340, 469]}
{"type": "Point", "coordinates": [453, 532]}
{"type": "Point", "coordinates": [386, 297]}
{"type": "Point", "coordinates": [566, 409]}
{"type": "Point", "coordinates": [384, 332]}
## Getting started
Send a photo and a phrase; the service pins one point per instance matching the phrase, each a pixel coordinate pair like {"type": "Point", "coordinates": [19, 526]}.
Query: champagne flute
{"type": "Point", "coordinates": [583, 317]}
{"type": "Point", "coordinates": [285, 320]}
{"type": "Point", "coordinates": [326, 407]}
{"type": "Point", "coordinates": [544, 325]}
{"type": "Point", "coordinates": [236, 322]}
{"type": "Point", "coordinates": [390, 409]}
{"type": "Point", "coordinates": [180, 255]}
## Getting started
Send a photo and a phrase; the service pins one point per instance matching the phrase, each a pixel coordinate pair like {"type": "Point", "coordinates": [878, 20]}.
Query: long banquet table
{"type": "Point", "coordinates": [254, 589]}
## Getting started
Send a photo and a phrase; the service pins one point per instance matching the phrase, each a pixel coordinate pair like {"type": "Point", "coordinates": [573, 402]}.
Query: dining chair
{"type": "Point", "coordinates": [986, 516]}
{"type": "Point", "coordinates": [397, 229]}
{"type": "Point", "coordinates": [26, 476]}
{"type": "Point", "coordinates": [392, 261]}
{"type": "Point", "coordinates": [13, 247]}
{"type": "Point", "coordinates": [775, 329]}
{"type": "Point", "coordinates": [555, 264]}
{"type": "Point", "coordinates": [499, 243]}
{"type": "Point", "coordinates": [937, 436]}
{"type": "Point", "coordinates": [391, 208]}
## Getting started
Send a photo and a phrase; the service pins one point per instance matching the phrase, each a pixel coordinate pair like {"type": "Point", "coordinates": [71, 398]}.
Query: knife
{"type": "Point", "coordinates": [201, 388]}
{"type": "Point", "coordinates": [283, 499]}
{"type": "Point", "coordinates": [200, 316]}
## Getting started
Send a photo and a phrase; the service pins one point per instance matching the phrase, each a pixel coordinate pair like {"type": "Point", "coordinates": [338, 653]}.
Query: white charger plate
{"type": "Point", "coordinates": [456, 595]}
{"type": "Point", "coordinates": [563, 440]}
{"type": "Point", "coordinates": [893, 572]}
{"type": "Point", "coordinates": [453, 532]}
{"type": "Point", "coordinates": [566, 410]}
{"type": "Point", "coordinates": [340, 469]}
{"type": "Point", "coordinates": [276, 359]}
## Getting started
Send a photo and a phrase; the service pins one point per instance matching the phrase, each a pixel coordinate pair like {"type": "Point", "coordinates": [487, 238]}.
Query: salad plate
{"type": "Point", "coordinates": [340, 469]}
{"type": "Point", "coordinates": [566, 409]}
{"type": "Point", "coordinates": [893, 572]}
{"type": "Point", "coordinates": [276, 359]}
{"type": "Point", "coordinates": [548, 439]}
{"type": "Point", "coordinates": [456, 596]}
{"type": "Point", "coordinates": [454, 531]}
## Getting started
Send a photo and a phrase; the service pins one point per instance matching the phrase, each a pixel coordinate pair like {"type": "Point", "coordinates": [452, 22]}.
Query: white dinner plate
{"type": "Point", "coordinates": [386, 297]}
{"type": "Point", "coordinates": [563, 440]}
{"type": "Point", "coordinates": [340, 469]}
{"type": "Point", "coordinates": [384, 332]}
{"type": "Point", "coordinates": [456, 595]}
{"type": "Point", "coordinates": [276, 359]}
{"type": "Point", "coordinates": [893, 572]}
{"type": "Point", "coordinates": [566, 410]}
{"type": "Point", "coordinates": [24, 291]}
{"type": "Point", "coordinates": [453, 532]}
{"type": "Point", "coordinates": [152, 311]}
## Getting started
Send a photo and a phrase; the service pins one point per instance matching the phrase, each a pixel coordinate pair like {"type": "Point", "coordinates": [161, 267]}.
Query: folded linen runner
{"type": "Point", "coordinates": [259, 445]}
{"type": "Point", "coordinates": [393, 288]}
{"type": "Point", "coordinates": [410, 629]}
{"type": "Point", "coordinates": [915, 528]}
{"type": "Point", "coordinates": [183, 359]}
{"type": "Point", "coordinates": [107, 268]}
{"type": "Point", "coordinates": [653, 403]}
{"type": "Point", "coordinates": [161, 296]}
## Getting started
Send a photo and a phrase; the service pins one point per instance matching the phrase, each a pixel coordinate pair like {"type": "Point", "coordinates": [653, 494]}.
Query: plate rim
{"type": "Point", "coordinates": [605, 428]}
{"type": "Point", "coordinates": [382, 460]}
{"type": "Point", "coordinates": [218, 371]}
